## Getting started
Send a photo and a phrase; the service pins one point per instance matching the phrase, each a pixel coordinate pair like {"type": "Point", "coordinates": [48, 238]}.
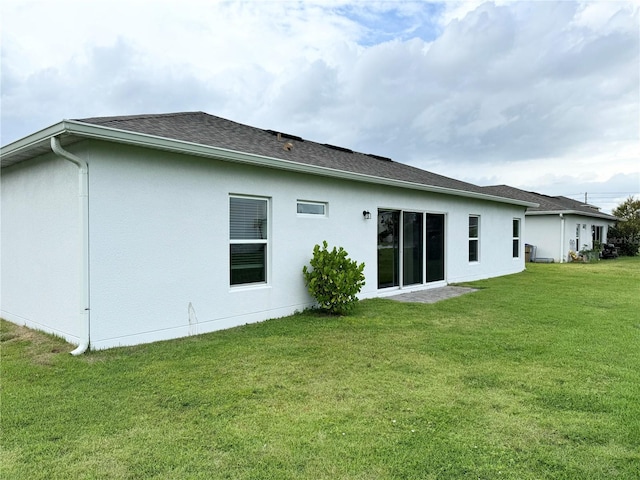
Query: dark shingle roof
{"type": "Point", "coordinates": [204, 129]}
{"type": "Point", "coordinates": [546, 202]}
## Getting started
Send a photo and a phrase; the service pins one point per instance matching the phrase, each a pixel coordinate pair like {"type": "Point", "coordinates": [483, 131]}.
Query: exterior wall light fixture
{"type": "Point", "coordinates": [366, 214]}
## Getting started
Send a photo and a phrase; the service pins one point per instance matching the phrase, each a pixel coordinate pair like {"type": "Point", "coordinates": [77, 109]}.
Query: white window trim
{"type": "Point", "coordinates": [265, 241]}
{"type": "Point", "coordinates": [325, 206]}
{"type": "Point", "coordinates": [517, 238]}
{"type": "Point", "coordinates": [477, 240]}
{"type": "Point", "coordinates": [595, 229]}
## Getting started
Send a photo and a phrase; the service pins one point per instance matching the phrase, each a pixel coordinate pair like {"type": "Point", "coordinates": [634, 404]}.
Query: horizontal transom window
{"type": "Point", "coordinates": [311, 208]}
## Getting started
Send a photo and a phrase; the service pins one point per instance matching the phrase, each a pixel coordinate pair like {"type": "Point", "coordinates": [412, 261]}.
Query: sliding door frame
{"type": "Point", "coordinates": [391, 236]}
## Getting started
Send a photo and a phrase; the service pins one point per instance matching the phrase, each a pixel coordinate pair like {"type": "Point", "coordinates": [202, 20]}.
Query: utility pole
{"type": "Point", "coordinates": [585, 199]}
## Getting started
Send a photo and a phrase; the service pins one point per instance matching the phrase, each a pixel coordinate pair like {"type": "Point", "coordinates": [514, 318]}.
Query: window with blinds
{"type": "Point", "coordinates": [248, 240]}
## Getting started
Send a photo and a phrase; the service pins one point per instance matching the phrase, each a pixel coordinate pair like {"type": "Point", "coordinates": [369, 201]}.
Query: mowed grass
{"type": "Point", "coordinates": [535, 376]}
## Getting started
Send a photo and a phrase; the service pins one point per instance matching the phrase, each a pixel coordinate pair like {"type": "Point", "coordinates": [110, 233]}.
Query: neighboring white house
{"type": "Point", "coordinates": [559, 225]}
{"type": "Point", "coordinates": [126, 230]}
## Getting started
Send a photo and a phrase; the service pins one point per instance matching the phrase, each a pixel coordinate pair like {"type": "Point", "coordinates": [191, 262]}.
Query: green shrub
{"type": "Point", "coordinates": [628, 244]}
{"type": "Point", "coordinates": [334, 280]}
{"type": "Point", "coordinates": [591, 254]}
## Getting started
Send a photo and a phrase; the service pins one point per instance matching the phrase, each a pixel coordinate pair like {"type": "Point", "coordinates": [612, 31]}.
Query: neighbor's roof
{"type": "Point", "coordinates": [548, 205]}
{"type": "Point", "coordinates": [202, 134]}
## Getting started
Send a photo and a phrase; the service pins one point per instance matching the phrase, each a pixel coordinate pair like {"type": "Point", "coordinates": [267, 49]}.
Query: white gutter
{"type": "Point", "coordinates": [99, 132]}
{"type": "Point", "coordinates": [83, 198]}
{"type": "Point", "coordinates": [604, 216]}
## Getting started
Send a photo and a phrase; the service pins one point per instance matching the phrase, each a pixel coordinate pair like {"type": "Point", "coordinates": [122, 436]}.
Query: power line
{"type": "Point", "coordinates": [600, 194]}
{"type": "Point", "coordinates": [599, 197]}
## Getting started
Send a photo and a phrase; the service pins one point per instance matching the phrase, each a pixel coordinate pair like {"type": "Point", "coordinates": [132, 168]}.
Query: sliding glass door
{"type": "Point", "coordinates": [410, 248]}
{"type": "Point", "coordinates": [435, 247]}
{"type": "Point", "coordinates": [388, 248]}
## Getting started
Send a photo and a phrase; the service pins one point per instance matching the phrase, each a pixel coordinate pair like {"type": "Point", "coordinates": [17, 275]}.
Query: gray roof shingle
{"type": "Point", "coordinates": [546, 202]}
{"type": "Point", "coordinates": [204, 129]}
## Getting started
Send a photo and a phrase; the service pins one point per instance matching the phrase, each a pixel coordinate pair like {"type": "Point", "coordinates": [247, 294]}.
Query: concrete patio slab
{"type": "Point", "coordinates": [432, 295]}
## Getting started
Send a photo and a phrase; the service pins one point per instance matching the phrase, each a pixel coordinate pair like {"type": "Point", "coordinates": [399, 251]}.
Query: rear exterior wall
{"type": "Point", "coordinates": [160, 240]}
{"type": "Point", "coordinates": [554, 236]}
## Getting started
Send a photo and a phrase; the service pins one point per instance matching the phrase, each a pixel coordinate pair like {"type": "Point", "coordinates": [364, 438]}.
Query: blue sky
{"type": "Point", "coordinates": [543, 96]}
{"type": "Point", "coordinates": [395, 21]}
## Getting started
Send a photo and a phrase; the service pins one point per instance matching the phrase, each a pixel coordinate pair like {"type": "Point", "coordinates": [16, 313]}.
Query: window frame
{"type": "Point", "coordinates": [597, 234]}
{"type": "Point", "coordinates": [324, 205]}
{"type": "Point", "coordinates": [391, 248]}
{"type": "Point", "coordinates": [474, 240]}
{"type": "Point", "coordinates": [516, 235]}
{"type": "Point", "coordinates": [251, 241]}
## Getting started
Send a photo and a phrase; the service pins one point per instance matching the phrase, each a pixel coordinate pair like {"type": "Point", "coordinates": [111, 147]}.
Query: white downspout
{"type": "Point", "coordinates": [83, 198]}
{"type": "Point", "coordinates": [561, 238]}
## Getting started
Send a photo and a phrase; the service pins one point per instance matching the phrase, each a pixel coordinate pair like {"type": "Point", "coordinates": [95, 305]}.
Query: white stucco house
{"type": "Point", "coordinates": [126, 230]}
{"type": "Point", "coordinates": [559, 225]}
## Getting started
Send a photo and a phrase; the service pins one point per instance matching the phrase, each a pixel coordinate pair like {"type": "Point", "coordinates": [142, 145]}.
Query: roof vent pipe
{"type": "Point", "coordinates": [83, 217]}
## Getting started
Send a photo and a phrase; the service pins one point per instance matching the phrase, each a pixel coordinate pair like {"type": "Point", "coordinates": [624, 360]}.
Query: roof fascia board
{"type": "Point", "coordinates": [100, 132]}
{"type": "Point", "coordinates": [31, 140]}
{"type": "Point", "coordinates": [181, 146]}
{"type": "Point", "coordinates": [573, 212]}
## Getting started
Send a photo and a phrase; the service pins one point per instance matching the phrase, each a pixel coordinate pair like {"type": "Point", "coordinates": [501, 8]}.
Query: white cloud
{"type": "Point", "coordinates": [471, 90]}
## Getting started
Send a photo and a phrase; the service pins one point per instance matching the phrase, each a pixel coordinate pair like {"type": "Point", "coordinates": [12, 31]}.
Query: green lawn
{"type": "Point", "coordinates": [535, 376]}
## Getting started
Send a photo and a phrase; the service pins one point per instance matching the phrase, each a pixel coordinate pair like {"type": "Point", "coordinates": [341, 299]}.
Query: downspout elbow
{"type": "Point", "coordinates": [83, 196]}
{"type": "Point", "coordinates": [58, 150]}
{"type": "Point", "coordinates": [80, 349]}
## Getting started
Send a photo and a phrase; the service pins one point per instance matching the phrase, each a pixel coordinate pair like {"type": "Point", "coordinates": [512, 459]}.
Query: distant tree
{"type": "Point", "coordinates": [627, 228]}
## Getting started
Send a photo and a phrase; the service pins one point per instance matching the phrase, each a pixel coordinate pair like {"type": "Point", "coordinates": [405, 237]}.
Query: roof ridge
{"type": "Point", "coordinates": [139, 116]}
